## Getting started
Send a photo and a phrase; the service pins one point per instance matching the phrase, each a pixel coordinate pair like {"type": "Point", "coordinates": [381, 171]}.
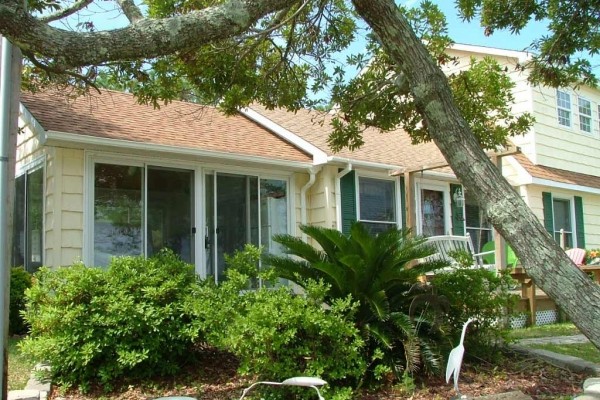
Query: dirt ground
{"type": "Point", "coordinates": [213, 377]}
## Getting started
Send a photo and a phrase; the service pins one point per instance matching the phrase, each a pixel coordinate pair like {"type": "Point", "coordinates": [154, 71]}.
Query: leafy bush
{"type": "Point", "coordinates": [476, 293]}
{"type": "Point", "coordinates": [20, 280]}
{"type": "Point", "coordinates": [376, 271]}
{"type": "Point", "coordinates": [275, 333]}
{"type": "Point", "coordinates": [99, 325]}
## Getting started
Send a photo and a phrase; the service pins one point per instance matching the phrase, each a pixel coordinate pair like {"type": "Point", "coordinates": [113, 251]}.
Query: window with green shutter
{"type": "Point", "coordinates": [558, 214]}
{"type": "Point", "coordinates": [348, 201]}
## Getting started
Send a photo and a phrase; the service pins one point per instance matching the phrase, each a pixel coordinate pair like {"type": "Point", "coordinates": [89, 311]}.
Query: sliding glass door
{"type": "Point", "coordinates": [140, 210]}
{"type": "Point", "coordinates": [242, 209]}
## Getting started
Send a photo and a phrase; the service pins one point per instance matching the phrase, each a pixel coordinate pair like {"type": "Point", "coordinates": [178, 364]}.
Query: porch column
{"type": "Point", "coordinates": [409, 201]}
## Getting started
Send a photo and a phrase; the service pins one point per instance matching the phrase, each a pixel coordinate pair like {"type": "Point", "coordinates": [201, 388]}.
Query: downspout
{"type": "Point", "coordinates": [311, 181]}
{"type": "Point", "coordinates": [338, 195]}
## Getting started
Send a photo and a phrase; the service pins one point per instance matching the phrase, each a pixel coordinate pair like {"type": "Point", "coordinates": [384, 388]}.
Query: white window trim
{"type": "Point", "coordinates": [590, 115]}
{"type": "Point", "coordinates": [569, 110]}
{"type": "Point", "coordinates": [399, 201]}
{"type": "Point", "coordinates": [441, 187]}
{"type": "Point", "coordinates": [571, 200]}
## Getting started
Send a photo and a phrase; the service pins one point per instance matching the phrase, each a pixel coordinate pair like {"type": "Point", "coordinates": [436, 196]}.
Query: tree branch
{"type": "Point", "coordinates": [131, 11]}
{"type": "Point", "coordinates": [148, 38]}
{"type": "Point", "coordinates": [65, 12]}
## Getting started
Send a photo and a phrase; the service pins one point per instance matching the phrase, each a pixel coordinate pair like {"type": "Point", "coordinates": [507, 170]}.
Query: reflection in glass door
{"type": "Point", "coordinates": [170, 212]}
{"type": "Point", "coordinates": [432, 212]}
{"type": "Point", "coordinates": [242, 209]}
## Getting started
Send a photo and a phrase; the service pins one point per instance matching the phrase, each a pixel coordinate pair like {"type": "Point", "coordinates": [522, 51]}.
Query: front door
{"type": "Point", "coordinates": [231, 217]}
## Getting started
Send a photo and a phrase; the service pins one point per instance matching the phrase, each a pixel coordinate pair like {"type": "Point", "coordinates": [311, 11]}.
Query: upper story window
{"type": "Point", "coordinates": [585, 115]}
{"type": "Point", "coordinates": [377, 203]}
{"type": "Point", "coordinates": [563, 103]}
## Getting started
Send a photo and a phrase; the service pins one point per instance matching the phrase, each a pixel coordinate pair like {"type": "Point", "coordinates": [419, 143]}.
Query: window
{"type": "Point", "coordinates": [28, 220]}
{"type": "Point", "coordinates": [562, 221]}
{"type": "Point", "coordinates": [585, 115]}
{"type": "Point", "coordinates": [563, 103]}
{"type": "Point", "coordinates": [377, 203]}
{"type": "Point", "coordinates": [478, 227]}
{"type": "Point", "coordinates": [433, 214]}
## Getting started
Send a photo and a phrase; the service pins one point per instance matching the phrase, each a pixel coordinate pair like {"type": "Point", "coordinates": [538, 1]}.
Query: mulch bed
{"type": "Point", "coordinates": [213, 376]}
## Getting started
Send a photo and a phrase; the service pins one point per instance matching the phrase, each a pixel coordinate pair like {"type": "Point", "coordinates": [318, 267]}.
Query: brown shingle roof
{"type": "Point", "coordinates": [558, 175]}
{"type": "Point", "coordinates": [117, 115]}
{"type": "Point", "coordinates": [393, 148]}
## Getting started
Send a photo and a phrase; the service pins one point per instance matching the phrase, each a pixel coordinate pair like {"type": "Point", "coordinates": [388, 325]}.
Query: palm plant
{"type": "Point", "coordinates": [378, 271]}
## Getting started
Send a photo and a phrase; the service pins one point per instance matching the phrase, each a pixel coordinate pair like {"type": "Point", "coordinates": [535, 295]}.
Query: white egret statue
{"type": "Point", "coordinates": [305, 381]}
{"type": "Point", "coordinates": [455, 359]}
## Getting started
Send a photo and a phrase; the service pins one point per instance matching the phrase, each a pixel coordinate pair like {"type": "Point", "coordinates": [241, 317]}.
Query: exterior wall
{"type": "Point", "coordinates": [563, 147]}
{"type": "Point", "coordinates": [64, 206]}
{"type": "Point", "coordinates": [321, 199]}
{"type": "Point", "coordinates": [522, 92]}
{"type": "Point", "coordinates": [591, 209]}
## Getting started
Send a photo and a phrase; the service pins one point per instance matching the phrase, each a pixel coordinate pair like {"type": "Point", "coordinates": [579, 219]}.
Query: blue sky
{"type": "Point", "coordinates": [472, 33]}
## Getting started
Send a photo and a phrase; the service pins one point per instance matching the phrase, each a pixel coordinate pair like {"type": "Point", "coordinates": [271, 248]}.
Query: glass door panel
{"type": "Point", "coordinates": [273, 213]}
{"type": "Point", "coordinates": [117, 212]}
{"type": "Point", "coordinates": [236, 216]}
{"type": "Point", "coordinates": [170, 212]}
{"type": "Point", "coordinates": [432, 212]}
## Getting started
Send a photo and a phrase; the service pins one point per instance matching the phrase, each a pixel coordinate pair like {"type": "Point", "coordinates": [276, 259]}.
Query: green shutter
{"type": "Point", "coordinates": [548, 213]}
{"type": "Point", "coordinates": [579, 226]}
{"type": "Point", "coordinates": [348, 201]}
{"type": "Point", "coordinates": [458, 213]}
{"type": "Point", "coordinates": [403, 202]}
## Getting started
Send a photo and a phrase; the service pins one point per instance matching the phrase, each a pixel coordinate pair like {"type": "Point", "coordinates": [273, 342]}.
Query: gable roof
{"type": "Point", "coordinates": [116, 115]}
{"type": "Point", "coordinates": [390, 148]}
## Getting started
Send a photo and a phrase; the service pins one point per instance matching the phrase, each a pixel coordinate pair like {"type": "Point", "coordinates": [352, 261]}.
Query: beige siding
{"type": "Point", "coordinates": [562, 147]}
{"type": "Point", "coordinates": [522, 92]}
{"type": "Point", "coordinates": [591, 210]}
{"type": "Point", "coordinates": [64, 206]}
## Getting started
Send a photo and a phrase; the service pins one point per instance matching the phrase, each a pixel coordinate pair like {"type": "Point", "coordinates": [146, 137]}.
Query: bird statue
{"type": "Point", "coordinates": [455, 359]}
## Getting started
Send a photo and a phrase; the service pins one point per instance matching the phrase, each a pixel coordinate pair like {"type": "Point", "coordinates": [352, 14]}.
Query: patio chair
{"type": "Point", "coordinates": [577, 256]}
{"type": "Point", "coordinates": [489, 257]}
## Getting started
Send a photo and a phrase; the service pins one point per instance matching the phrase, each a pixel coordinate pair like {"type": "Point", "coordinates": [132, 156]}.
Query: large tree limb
{"type": "Point", "coordinates": [541, 256]}
{"type": "Point", "coordinates": [145, 39]}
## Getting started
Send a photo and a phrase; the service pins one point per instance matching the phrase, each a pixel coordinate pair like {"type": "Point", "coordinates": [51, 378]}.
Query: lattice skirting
{"type": "Point", "coordinates": [544, 317]}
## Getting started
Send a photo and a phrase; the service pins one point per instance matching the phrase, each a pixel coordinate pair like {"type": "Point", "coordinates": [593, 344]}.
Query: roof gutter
{"type": "Point", "coordinates": [366, 164]}
{"type": "Point", "coordinates": [338, 195]}
{"type": "Point", "coordinates": [303, 212]}
{"type": "Point", "coordinates": [131, 145]}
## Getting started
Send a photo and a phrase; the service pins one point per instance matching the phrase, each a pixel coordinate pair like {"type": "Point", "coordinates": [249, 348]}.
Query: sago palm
{"type": "Point", "coordinates": [379, 272]}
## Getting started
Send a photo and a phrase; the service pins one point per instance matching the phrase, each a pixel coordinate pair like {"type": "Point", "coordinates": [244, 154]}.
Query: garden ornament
{"type": "Point", "coordinates": [455, 359]}
{"type": "Point", "coordinates": [305, 381]}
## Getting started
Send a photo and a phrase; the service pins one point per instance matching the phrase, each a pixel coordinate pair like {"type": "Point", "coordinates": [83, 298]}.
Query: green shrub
{"type": "Point", "coordinates": [275, 333]}
{"type": "Point", "coordinates": [20, 280]}
{"type": "Point", "coordinates": [378, 272]}
{"type": "Point", "coordinates": [476, 293]}
{"type": "Point", "coordinates": [95, 325]}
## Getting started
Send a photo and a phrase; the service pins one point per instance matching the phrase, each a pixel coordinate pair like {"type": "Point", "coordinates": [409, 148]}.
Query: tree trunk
{"type": "Point", "coordinates": [542, 258]}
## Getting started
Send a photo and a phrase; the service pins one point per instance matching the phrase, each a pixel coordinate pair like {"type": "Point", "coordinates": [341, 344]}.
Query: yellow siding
{"type": "Point", "coordinates": [562, 147]}
{"type": "Point", "coordinates": [591, 210]}
{"type": "Point", "coordinates": [522, 92]}
{"type": "Point", "coordinates": [64, 206]}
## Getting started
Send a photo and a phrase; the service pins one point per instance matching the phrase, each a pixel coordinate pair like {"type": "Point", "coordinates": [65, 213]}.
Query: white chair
{"type": "Point", "coordinates": [446, 245]}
